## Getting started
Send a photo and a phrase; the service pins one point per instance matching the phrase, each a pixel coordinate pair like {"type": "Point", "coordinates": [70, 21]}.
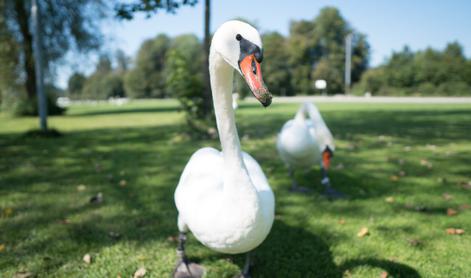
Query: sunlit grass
{"type": "Point", "coordinates": [401, 165]}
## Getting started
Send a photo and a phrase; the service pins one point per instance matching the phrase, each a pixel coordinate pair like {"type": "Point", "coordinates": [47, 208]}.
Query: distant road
{"type": "Point", "coordinates": [359, 99]}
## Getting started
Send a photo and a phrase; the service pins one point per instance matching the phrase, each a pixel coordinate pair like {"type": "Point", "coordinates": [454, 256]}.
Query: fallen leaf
{"type": "Point", "coordinates": [341, 221]}
{"type": "Point", "coordinates": [87, 259]}
{"type": "Point", "coordinates": [390, 199]}
{"type": "Point", "coordinates": [140, 273]}
{"type": "Point", "coordinates": [447, 196]}
{"type": "Point", "coordinates": [2, 247]}
{"type": "Point", "coordinates": [123, 183]}
{"type": "Point", "coordinates": [81, 187]}
{"type": "Point", "coordinates": [384, 274]}
{"type": "Point", "coordinates": [451, 212]}
{"type": "Point", "coordinates": [402, 173]}
{"type": "Point", "coordinates": [424, 162]}
{"type": "Point", "coordinates": [453, 231]}
{"type": "Point", "coordinates": [394, 178]}
{"type": "Point", "coordinates": [363, 232]}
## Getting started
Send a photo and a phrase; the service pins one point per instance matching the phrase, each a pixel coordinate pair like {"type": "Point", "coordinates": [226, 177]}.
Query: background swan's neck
{"type": "Point", "coordinates": [221, 86]}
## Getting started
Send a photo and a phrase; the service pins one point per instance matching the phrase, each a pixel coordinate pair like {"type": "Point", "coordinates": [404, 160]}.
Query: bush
{"type": "Point", "coordinates": [188, 88]}
{"type": "Point", "coordinates": [17, 104]}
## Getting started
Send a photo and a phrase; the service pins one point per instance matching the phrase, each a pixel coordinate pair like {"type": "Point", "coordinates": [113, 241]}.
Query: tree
{"type": "Point", "coordinates": [122, 61]}
{"type": "Point", "coordinates": [75, 84]}
{"type": "Point", "coordinates": [425, 72]}
{"type": "Point", "coordinates": [276, 69]}
{"type": "Point", "coordinates": [317, 51]}
{"type": "Point", "coordinates": [104, 82]}
{"type": "Point", "coordinates": [150, 7]}
{"type": "Point", "coordinates": [65, 25]}
{"type": "Point", "coordinates": [147, 78]}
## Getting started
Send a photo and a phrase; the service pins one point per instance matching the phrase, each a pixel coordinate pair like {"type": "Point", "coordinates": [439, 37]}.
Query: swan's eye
{"type": "Point", "coordinates": [238, 37]}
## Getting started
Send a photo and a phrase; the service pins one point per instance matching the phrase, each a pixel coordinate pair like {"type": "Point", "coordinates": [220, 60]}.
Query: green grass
{"type": "Point", "coordinates": [47, 225]}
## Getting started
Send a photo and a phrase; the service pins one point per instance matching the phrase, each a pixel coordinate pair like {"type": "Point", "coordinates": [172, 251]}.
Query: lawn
{"type": "Point", "coordinates": [403, 167]}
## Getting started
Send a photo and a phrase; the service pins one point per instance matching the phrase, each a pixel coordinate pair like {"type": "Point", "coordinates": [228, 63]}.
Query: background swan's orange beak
{"type": "Point", "coordinates": [253, 76]}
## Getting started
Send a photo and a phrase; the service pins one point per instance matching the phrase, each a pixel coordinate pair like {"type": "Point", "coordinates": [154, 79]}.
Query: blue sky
{"type": "Point", "coordinates": [388, 24]}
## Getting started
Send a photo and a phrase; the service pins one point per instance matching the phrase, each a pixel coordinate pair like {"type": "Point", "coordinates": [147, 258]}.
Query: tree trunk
{"type": "Point", "coordinates": [28, 63]}
{"type": "Point", "coordinates": [207, 88]}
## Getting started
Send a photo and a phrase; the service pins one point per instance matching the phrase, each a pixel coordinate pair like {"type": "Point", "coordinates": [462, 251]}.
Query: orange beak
{"type": "Point", "coordinates": [326, 155]}
{"type": "Point", "coordinates": [252, 73]}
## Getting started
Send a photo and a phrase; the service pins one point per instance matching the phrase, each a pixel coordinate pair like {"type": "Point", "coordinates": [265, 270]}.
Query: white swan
{"type": "Point", "coordinates": [224, 198]}
{"type": "Point", "coordinates": [304, 142]}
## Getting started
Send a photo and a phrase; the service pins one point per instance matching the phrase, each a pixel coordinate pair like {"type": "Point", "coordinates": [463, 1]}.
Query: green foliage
{"type": "Point", "coordinates": [65, 26]}
{"type": "Point", "coordinates": [427, 72]}
{"type": "Point", "coordinates": [75, 84]}
{"type": "Point", "coordinates": [185, 82]}
{"type": "Point", "coordinates": [9, 58]}
{"type": "Point", "coordinates": [103, 86]}
{"type": "Point", "coordinates": [16, 103]}
{"type": "Point", "coordinates": [127, 10]}
{"type": "Point", "coordinates": [104, 82]}
{"type": "Point", "coordinates": [276, 70]}
{"type": "Point", "coordinates": [317, 51]}
{"type": "Point", "coordinates": [147, 78]}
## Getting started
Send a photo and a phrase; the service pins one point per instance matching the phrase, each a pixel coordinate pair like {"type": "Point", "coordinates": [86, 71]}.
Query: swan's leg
{"type": "Point", "coordinates": [185, 269]}
{"type": "Point", "coordinates": [330, 192]}
{"type": "Point", "coordinates": [294, 185]}
{"type": "Point", "coordinates": [248, 264]}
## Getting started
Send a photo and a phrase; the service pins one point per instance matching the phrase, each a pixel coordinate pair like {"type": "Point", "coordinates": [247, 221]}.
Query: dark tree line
{"type": "Point", "coordinates": [313, 50]}
{"type": "Point", "coordinates": [425, 73]}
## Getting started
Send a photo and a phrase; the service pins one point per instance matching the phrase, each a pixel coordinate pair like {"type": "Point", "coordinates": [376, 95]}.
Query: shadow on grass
{"type": "Point", "coordinates": [54, 221]}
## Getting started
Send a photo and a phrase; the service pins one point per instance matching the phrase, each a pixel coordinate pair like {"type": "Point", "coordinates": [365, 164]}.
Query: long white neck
{"type": "Point", "coordinates": [221, 86]}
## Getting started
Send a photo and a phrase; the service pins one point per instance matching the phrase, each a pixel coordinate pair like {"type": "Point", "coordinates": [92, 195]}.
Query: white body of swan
{"type": "Point", "coordinates": [303, 140]}
{"type": "Point", "coordinates": [235, 101]}
{"type": "Point", "coordinates": [223, 197]}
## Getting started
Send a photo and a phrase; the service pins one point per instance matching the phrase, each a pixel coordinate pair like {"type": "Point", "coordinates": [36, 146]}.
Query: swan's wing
{"type": "Point", "coordinates": [297, 145]}
{"type": "Point", "coordinates": [200, 180]}
{"type": "Point", "coordinates": [259, 180]}
{"type": "Point", "coordinates": [321, 132]}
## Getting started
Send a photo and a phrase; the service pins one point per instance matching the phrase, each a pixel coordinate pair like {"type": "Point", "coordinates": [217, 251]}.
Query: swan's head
{"type": "Point", "coordinates": [241, 47]}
